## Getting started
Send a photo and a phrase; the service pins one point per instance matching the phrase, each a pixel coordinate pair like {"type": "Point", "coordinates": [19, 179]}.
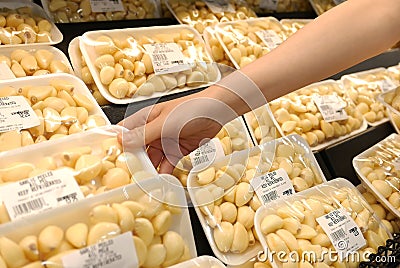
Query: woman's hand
{"type": "Point", "coordinates": [175, 128]}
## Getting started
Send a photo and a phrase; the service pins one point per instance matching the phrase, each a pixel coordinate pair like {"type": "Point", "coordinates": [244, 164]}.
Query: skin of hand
{"type": "Point", "coordinates": [340, 38]}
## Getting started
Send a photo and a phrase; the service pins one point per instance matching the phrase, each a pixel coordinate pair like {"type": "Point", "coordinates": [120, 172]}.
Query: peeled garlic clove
{"type": "Point", "coordinates": [44, 58]}
{"type": "Point", "coordinates": [10, 140]}
{"type": "Point", "coordinates": [29, 245]}
{"type": "Point", "coordinates": [77, 234]}
{"type": "Point", "coordinates": [244, 193]}
{"type": "Point", "coordinates": [229, 212]}
{"type": "Point", "coordinates": [88, 167]}
{"type": "Point", "coordinates": [102, 231]}
{"type": "Point", "coordinates": [135, 207]}
{"type": "Point", "coordinates": [16, 171]}
{"type": "Point", "coordinates": [224, 181]}
{"type": "Point", "coordinates": [271, 223]}
{"type": "Point", "coordinates": [129, 162]}
{"type": "Point", "coordinates": [52, 119]}
{"type": "Point", "coordinates": [240, 238]}
{"type": "Point", "coordinates": [162, 222]}
{"type": "Point", "coordinates": [125, 217]}
{"type": "Point", "coordinates": [103, 213]}
{"type": "Point", "coordinates": [289, 239]}
{"type": "Point", "coordinates": [144, 229]}
{"type": "Point", "coordinates": [156, 255]}
{"type": "Point", "coordinates": [245, 215]}
{"type": "Point", "coordinates": [306, 232]}
{"type": "Point", "coordinates": [196, 78]}
{"type": "Point", "coordinates": [12, 253]}
{"type": "Point", "coordinates": [205, 201]}
{"type": "Point", "coordinates": [175, 247]}
{"type": "Point", "coordinates": [276, 244]}
{"type": "Point", "coordinates": [50, 238]}
{"type": "Point", "coordinates": [223, 236]}
{"type": "Point", "coordinates": [207, 176]}
{"type": "Point", "coordinates": [115, 177]}
{"type": "Point", "coordinates": [83, 101]}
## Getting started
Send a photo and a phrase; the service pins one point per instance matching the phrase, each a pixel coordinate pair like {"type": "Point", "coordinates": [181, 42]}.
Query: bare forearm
{"type": "Point", "coordinates": [342, 37]}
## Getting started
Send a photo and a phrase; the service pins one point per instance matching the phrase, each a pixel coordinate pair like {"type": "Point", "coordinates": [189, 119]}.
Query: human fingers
{"type": "Point", "coordinates": [155, 155]}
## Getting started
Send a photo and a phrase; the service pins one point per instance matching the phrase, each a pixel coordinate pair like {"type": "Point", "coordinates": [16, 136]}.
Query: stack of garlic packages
{"type": "Point", "coordinates": [131, 65]}
{"type": "Point", "coordinates": [67, 11]}
{"type": "Point", "coordinates": [363, 89]}
{"type": "Point", "coordinates": [227, 193]}
{"type": "Point", "coordinates": [321, 113]}
{"type": "Point", "coordinates": [330, 225]}
{"type": "Point", "coordinates": [144, 225]}
{"type": "Point", "coordinates": [293, 25]}
{"type": "Point", "coordinates": [200, 14]}
{"type": "Point", "coordinates": [279, 6]}
{"type": "Point", "coordinates": [378, 168]}
{"type": "Point", "coordinates": [247, 40]}
{"type": "Point", "coordinates": [394, 74]}
{"type": "Point", "coordinates": [231, 138]}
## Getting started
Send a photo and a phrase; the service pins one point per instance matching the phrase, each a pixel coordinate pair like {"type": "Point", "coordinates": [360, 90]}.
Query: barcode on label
{"type": "Point", "coordinates": [159, 57]}
{"type": "Point", "coordinates": [22, 114]}
{"type": "Point", "coordinates": [201, 159]}
{"type": "Point", "coordinates": [270, 196]}
{"type": "Point", "coordinates": [30, 206]}
{"type": "Point", "coordinates": [338, 235]}
{"type": "Point", "coordinates": [177, 62]}
{"type": "Point", "coordinates": [326, 108]}
{"type": "Point", "coordinates": [70, 198]}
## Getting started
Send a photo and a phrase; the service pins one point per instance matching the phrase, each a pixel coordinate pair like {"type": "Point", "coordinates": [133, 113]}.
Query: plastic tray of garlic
{"type": "Point", "coordinates": [261, 124]}
{"type": "Point", "coordinates": [233, 137]}
{"type": "Point", "coordinates": [378, 168]}
{"type": "Point", "coordinates": [293, 25]}
{"type": "Point", "coordinates": [290, 225]}
{"type": "Point", "coordinates": [247, 40]}
{"type": "Point", "coordinates": [199, 15]}
{"type": "Point", "coordinates": [280, 6]}
{"type": "Point", "coordinates": [82, 71]}
{"type": "Point", "coordinates": [225, 201]}
{"type": "Point", "coordinates": [321, 6]}
{"type": "Point", "coordinates": [394, 73]}
{"type": "Point", "coordinates": [215, 48]}
{"type": "Point", "coordinates": [34, 60]}
{"type": "Point", "coordinates": [61, 104]}
{"type": "Point", "coordinates": [123, 70]}
{"type": "Point", "coordinates": [94, 159]}
{"type": "Point", "coordinates": [391, 222]}
{"type": "Point", "coordinates": [23, 22]}
{"type": "Point", "coordinates": [298, 113]}
{"type": "Point", "coordinates": [201, 262]}
{"type": "Point", "coordinates": [363, 89]}
{"type": "Point", "coordinates": [153, 214]}
{"type": "Point", "coordinates": [66, 11]}
{"type": "Point", "coordinates": [391, 100]}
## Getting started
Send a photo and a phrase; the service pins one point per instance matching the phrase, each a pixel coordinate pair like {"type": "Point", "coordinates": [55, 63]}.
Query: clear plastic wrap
{"type": "Point", "coordinates": [242, 42]}
{"type": "Point", "coordinates": [201, 262]}
{"type": "Point", "coordinates": [123, 67]}
{"type": "Point", "coordinates": [23, 22]}
{"type": "Point", "coordinates": [363, 89]}
{"type": "Point", "coordinates": [378, 168]}
{"type": "Point", "coordinates": [33, 60]}
{"type": "Point", "coordinates": [388, 219]}
{"type": "Point", "coordinates": [58, 104]}
{"type": "Point", "coordinates": [82, 71]}
{"type": "Point", "coordinates": [391, 100]}
{"type": "Point", "coordinates": [280, 6]}
{"type": "Point", "coordinates": [225, 200]}
{"type": "Point", "coordinates": [233, 137]}
{"type": "Point", "coordinates": [66, 11]}
{"type": "Point", "coordinates": [298, 113]}
{"type": "Point", "coordinates": [153, 214]}
{"type": "Point", "coordinates": [94, 159]}
{"type": "Point", "coordinates": [288, 229]}
{"type": "Point", "coordinates": [261, 124]}
{"type": "Point", "coordinates": [293, 25]}
{"type": "Point", "coordinates": [215, 48]}
{"type": "Point", "coordinates": [199, 15]}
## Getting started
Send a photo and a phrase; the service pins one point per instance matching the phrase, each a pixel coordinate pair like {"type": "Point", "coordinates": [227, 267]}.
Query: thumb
{"type": "Point", "coordinates": [140, 136]}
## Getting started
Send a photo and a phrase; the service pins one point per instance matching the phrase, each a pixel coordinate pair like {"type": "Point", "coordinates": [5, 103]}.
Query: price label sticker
{"type": "Point", "coordinates": [270, 38]}
{"type": "Point", "coordinates": [167, 58]}
{"type": "Point", "coordinates": [269, 4]}
{"type": "Point", "coordinates": [331, 107]}
{"type": "Point", "coordinates": [5, 72]}
{"type": "Point", "coordinates": [220, 6]}
{"type": "Point", "coordinates": [272, 186]}
{"type": "Point", "coordinates": [16, 113]}
{"type": "Point", "coordinates": [116, 252]}
{"type": "Point", "coordinates": [338, 2]}
{"type": "Point", "coordinates": [40, 193]}
{"type": "Point", "coordinates": [385, 84]}
{"type": "Point", "coordinates": [345, 235]}
{"type": "Point", "coordinates": [207, 153]}
{"type": "Point", "coordinates": [106, 5]}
